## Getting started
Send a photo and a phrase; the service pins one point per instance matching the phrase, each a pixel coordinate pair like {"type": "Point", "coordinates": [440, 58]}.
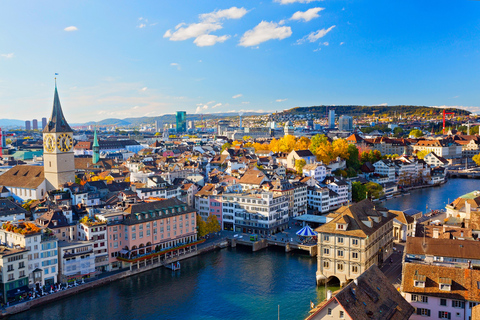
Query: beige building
{"type": "Point", "coordinates": [13, 275]}
{"type": "Point", "coordinates": [357, 237]}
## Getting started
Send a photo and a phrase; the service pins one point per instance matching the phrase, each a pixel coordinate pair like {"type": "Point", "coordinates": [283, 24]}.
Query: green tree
{"type": "Point", "coordinates": [364, 157]}
{"type": "Point", "coordinates": [416, 133]}
{"type": "Point", "coordinates": [359, 191]}
{"type": "Point", "coordinates": [226, 145]}
{"type": "Point", "coordinates": [398, 132]}
{"type": "Point", "coordinates": [316, 141]}
{"type": "Point", "coordinates": [26, 205]}
{"type": "Point", "coordinates": [212, 224]}
{"type": "Point", "coordinates": [8, 141]}
{"type": "Point", "coordinates": [352, 160]}
{"type": "Point", "coordinates": [374, 190]}
{"type": "Point", "coordinates": [201, 227]}
{"type": "Point", "coordinates": [340, 172]}
{"type": "Point", "coordinates": [476, 158]}
{"type": "Point", "coordinates": [299, 164]}
{"type": "Point", "coordinates": [351, 172]}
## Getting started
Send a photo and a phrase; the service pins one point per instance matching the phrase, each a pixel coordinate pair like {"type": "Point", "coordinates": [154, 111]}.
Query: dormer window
{"type": "Point", "coordinates": [445, 284]}
{"type": "Point", "coordinates": [341, 226]}
{"type": "Point", "coordinates": [419, 281]}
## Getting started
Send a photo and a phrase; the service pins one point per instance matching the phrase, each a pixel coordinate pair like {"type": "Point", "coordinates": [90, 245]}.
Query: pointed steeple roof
{"type": "Point", "coordinates": [95, 139]}
{"type": "Point", "coordinates": [57, 122]}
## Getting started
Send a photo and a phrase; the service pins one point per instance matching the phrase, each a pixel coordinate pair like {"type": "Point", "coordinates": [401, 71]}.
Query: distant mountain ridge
{"type": "Point", "coordinates": [369, 110]}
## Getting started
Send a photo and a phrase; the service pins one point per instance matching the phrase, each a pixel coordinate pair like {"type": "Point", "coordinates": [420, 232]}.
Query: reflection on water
{"type": "Point", "coordinates": [435, 197]}
{"type": "Point", "coordinates": [227, 284]}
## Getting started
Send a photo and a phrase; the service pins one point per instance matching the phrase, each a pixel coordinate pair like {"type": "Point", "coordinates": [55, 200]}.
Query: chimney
{"type": "Point", "coordinates": [467, 209]}
{"type": "Point", "coordinates": [329, 294]}
{"type": "Point", "coordinates": [435, 233]}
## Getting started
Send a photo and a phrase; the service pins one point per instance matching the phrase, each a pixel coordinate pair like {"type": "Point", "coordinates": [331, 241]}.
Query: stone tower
{"type": "Point", "coordinates": [96, 148]}
{"type": "Point", "coordinates": [58, 160]}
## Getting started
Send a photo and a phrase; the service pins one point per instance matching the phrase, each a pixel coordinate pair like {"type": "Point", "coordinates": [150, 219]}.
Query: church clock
{"type": "Point", "coordinates": [49, 143]}
{"type": "Point", "coordinates": [64, 142]}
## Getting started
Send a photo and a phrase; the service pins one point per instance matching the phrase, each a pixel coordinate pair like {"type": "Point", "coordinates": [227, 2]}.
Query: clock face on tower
{"type": "Point", "coordinates": [49, 143]}
{"type": "Point", "coordinates": [64, 142]}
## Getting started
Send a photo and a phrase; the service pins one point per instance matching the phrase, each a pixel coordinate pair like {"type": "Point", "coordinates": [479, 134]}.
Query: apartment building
{"type": "Point", "coordinates": [14, 279]}
{"type": "Point", "coordinates": [76, 261]}
{"type": "Point", "coordinates": [357, 237]}
{"type": "Point", "coordinates": [96, 232]}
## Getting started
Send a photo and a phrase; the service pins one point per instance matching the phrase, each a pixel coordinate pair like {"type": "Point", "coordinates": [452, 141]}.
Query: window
{"type": "Point", "coordinates": [341, 314]}
{"type": "Point", "coordinates": [420, 284]}
{"type": "Point", "coordinates": [326, 251]}
{"type": "Point", "coordinates": [444, 315]}
{"type": "Point", "coordinates": [340, 266]}
{"type": "Point", "coordinates": [417, 298]}
{"type": "Point", "coordinates": [326, 238]}
{"type": "Point", "coordinates": [340, 253]}
{"type": "Point", "coordinates": [355, 255]}
{"type": "Point", "coordinates": [423, 312]}
{"type": "Point", "coordinates": [443, 302]}
{"type": "Point", "coordinates": [134, 236]}
{"type": "Point", "coordinates": [458, 304]}
{"type": "Point", "coordinates": [355, 242]}
{"type": "Point", "coordinates": [355, 269]}
{"type": "Point", "coordinates": [329, 311]}
{"type": "Point", "coordinates": [340, 240]}
{"type": "Point", "coordinates": [326, 264]}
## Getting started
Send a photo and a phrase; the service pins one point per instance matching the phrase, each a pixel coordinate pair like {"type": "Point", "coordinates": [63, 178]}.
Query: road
{"type": "Point", "coordinates": [393, 270]}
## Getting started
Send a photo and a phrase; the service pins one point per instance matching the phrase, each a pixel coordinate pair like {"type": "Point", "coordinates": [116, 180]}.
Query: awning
{"type": "Point", "coordinates": [306, 232]}
{"type": "Point", "coordinates": [123, 251]}
{"type": "Point", "coordinates": [17, 291]}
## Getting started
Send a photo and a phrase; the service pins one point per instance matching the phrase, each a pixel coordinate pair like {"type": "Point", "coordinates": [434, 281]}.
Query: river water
{"type": "Point", "coordinates": [232, 283]}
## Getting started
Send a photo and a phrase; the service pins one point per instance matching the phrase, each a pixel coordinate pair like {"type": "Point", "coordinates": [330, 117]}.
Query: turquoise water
{"type": "Point", "coordinates": [226, 284]}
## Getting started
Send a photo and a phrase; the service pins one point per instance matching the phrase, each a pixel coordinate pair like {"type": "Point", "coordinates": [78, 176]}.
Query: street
{"type": "Point", "coordinates": [393, 270]}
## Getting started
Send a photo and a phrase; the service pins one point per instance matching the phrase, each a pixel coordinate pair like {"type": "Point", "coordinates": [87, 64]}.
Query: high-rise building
{"type": "Point", "coordinates": [309, 124]}
{"type": "Point", "coordinates": [44, 123]}
{"type": "Point", "coordinates": [157, 129]}
{"type": "Point", "coordinates": [181, 121]}
{"type": "Point", "coordinates": [222, 127]}
{"type": "Point", "coordinates": [27, 125]}
{"type": "Point", "coordinates": [331, 118]}
{"type": "Point", "coordinates": [345, 123]}
{"type": "Point", "coordinates": [35, 124]}
{"type": "Point", "coordinates": [191, 125]}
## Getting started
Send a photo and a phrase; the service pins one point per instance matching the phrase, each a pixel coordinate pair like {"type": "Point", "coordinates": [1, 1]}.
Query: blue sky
{"type": "Point", "coordinates": [146, 58]}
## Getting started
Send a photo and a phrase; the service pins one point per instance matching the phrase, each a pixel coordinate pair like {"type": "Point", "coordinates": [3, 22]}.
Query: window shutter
{"type": "Point", "coordinates": [439, 314]}
{"type": "Point", "coordinates": [428, 312]}
{"type": "Point", "coordinates": [418, 311]}
{"type": "Point", "coordinates": [449, 315]}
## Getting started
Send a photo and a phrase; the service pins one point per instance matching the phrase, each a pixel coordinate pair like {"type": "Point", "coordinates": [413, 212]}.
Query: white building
{"type": "Point", "coordinates": [76, 261]}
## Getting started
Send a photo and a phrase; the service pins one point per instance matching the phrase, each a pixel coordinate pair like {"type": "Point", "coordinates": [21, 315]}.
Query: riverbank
{"type": "Point", "coordinates": [53, 297]}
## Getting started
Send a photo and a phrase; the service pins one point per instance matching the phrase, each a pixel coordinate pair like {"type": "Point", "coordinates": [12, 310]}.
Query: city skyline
{"type": "Point", "coordinates": [150, 59]}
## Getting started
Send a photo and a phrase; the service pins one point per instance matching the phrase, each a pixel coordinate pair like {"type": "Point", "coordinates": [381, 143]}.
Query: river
{"type": "Point", "coordinates": [232, 283]}
{"type": "Point", "coordinates": [434, 197]}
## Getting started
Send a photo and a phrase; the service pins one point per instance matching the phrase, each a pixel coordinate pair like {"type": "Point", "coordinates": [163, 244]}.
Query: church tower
{"type": "Point", "coordinates": [58, 159]}
{"type": "Point", "coordinates": [96, 148]}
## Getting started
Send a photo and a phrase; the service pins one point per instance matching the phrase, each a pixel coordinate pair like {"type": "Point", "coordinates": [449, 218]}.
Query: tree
{"type": "Point", "coordinates": [299, 164]}
{"type": "Point", "coordinates": [316, 141]}
{"type": "Point", "coordinates": [274, 146]}
{"type": "Point", "coordinates": [246, 138]}
{"type": "Point", "coordinates": [287, 143]}
{"type": "Point", "coordinates": [226, 145]}
{"type": "Point", "coordinates": [364, 157]}
{"type": "Point", "coordinates": [157, 134]}
{"type": "Point", "coordinates": [212, 224]}
{"type": "Point", "coordinates": [26, 205]}
{"type": "Point", "coordinates": [8, 141]}
{"type": "Point", "coordinates": [359, 191]}
{"type": "Point", "coordinates": [340, 148]}
{"type": "Point", "coordinates": [302, 144]}
{"type": "Point", "coordinates": [416, 133]}
{"type": "Point", "coordinates": [398, 132]}
{"type": "Point", "coordinates": [236, 143]}
{"type": "Point", "coordinates": [476, 158]}
{"type": "Point", "coordinates": [374, 190]}
{"type": "Point", "coordinates": [353, 157]}
{"type": "Point", "coordinates": [422, 154]}
{"type": "Point", "coordinates": [201, 227]}
{"type": "Point", "coordinates": [324, 153]}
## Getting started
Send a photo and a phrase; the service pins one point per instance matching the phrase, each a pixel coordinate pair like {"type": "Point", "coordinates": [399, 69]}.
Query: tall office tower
{"type": "Point", "coordinates": [35, 124]}
{"type": "Point", "coordinates": [181, 121]}
{"type": "Point", "coordinates": [309, 124]}
{"type": "Point", "coordinates": [345, 123]}
{"type": "Point", "coordinates": [191, 125]}
{"type": "Point", "coordinates": [222, 127]}
{"type": "Point", "coordinates": [157, 129]}
{"type": "Point", "coordinates": [27, 125]}
{"type": "Point", "coordinates": [331, 118]}
{"type": "Point", "coordinates": [44, 123]}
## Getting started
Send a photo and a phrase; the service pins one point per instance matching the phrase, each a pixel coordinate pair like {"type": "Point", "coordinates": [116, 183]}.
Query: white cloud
{"type": "Point", "coordinates": [281, 100]}
{"type": "Point", "coordinates": [144, 89]}
{"type": "Point", "coordinates": [206, 40]}
{"type": "Point", "coordinates": [383, 104]}
{"type": "Point", "coordinates": [141, 18]}
{"type": "Point", "coordinates": [307, 15]}
{"type": "Point", "coordinates": [217, 15]}
{"type": "Point", "coordinates": [237, 96]}
{"type": "Point", "coordinates": [71, 28]}
{"type": "Point", "coordinates": [342, 43]}
{"type": "Point", "coordinates": [315, 35]}
{"type": "Point", "coordinates": [294, 1]}
{"type": "Point", "coordinates": [209, 22]}
{"type": "Point", "coordinates": [193, 30]}
{"type": "Point", "coordinates": [201, 108]}
{"type": "Point", "coordinates": [141, 25]}
{"type": "Point", "coordinates": [7, 55]}
{"type": "Point", "coordinates": [245, 102]}
{"type": "Point", "coordinates": [264, 31]}
{"type": "Point", "coordinates": [174, 64]}
{"type": "Point", "coordinates": [216, 106]}
{"type": "Point", "coordinates": [326, 43]}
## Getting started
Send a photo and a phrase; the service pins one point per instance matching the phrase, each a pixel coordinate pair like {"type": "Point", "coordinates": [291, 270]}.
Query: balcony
{"type": "Point", "coordinates": [133, 256]}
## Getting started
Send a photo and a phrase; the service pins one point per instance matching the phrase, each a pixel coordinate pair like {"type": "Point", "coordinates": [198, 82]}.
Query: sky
{"type": "Point", "coordinates": [119, 59]}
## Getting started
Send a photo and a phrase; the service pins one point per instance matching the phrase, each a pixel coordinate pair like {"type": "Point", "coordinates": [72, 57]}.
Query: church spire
{"type": "Point", "coordinates": [95, 148]}
{"type": "Point", "coordinates": [57, 122]}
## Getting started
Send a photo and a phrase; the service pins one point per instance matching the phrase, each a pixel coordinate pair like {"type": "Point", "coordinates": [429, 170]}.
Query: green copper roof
{"type": "Point", "coordinates": [95, 139]}
{"type": "Point", "coordinates": [57, 122]}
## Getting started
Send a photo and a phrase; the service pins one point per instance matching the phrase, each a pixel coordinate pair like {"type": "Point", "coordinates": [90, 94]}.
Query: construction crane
{"type": "Point", "coordinates": [445, 113]}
